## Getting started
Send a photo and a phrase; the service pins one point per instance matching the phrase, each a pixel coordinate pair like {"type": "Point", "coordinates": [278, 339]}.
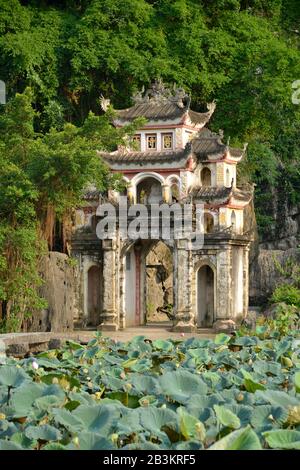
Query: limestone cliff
{"type": "Point", "coordinates": [59, 289]}
{"type": "Point", "coordinates": [281, 242]}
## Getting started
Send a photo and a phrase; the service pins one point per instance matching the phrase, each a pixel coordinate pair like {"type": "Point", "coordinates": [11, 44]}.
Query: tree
{"type": "Point", "coordinates": [43, 177]}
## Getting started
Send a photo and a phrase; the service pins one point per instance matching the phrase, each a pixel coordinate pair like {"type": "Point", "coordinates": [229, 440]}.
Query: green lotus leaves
{"type": "Point", "coordinates": [101, 419]}
{"type": "Point", "coordinates": [154, 419]}
{"type": "Point", "coordinates": [9, 445]}
{"type": "Point", "coordinates": [278, 398]}
{"type": "Point", "coordinates": [43, 433]}
{"type": "Point", "coordinates": [94, 441]}
{"type": "Point", "coordinates": [54, 446]}
{"type": "Point", "coordinates": [283, 439]}
{"type": "Point", "coordinates": [12, 376]}
{"type": "Point", "coordinates": [163, 345]}
{"type": "Point", "coordinates": [230, 393]}
{"type": "Point", "coordinates": [267, 368]}
{"type": "Point", "coordinates": [181, 385]}
{"type": "Point", "coordinates": [264, 415]}
{"type": "Point", "coordinates": [23, 441]}
{"type": "Point", "coordinates": [297, 381]}
{"type": "Point", "coordinates": [23, 398]}
{"type": "Point", "coordinates": [227, 417]}
{"type": "Point", "coordinates": [190, 427]}
{"type": "Point", "coordinates": [242, 439]}
{"type": "Point", "coordinates": [222, 338]}
{"type": "Point", "coordinates": [68, 420]}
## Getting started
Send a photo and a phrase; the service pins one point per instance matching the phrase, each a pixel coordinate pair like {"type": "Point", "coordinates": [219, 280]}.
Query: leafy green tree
{"type": "Point", "coordinates": [43, 178]}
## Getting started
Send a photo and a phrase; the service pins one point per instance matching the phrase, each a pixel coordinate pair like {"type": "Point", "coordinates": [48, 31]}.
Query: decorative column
{"type": "Point", "coordinates": [122, 261]}
{"type": "Point", "coordinates": [224, 321]}
{"type": "Point", "coordinates": [246, 280]}
{"type": "Point", "coordinates": [184, 318]}
{"type": "Point", "coordinates": [109, 317]}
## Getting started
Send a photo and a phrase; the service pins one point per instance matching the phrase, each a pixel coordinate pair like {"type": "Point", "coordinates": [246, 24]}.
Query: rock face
{"type": "Point", "coordinates": [280, 242]}
{"type": "Point", "coordinates": [59, 289]}
{"type": "Point", "coordinates": [264, 276]}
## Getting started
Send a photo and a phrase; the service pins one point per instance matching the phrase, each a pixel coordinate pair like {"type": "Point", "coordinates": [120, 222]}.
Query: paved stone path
{"type": "Point", "coordinates": [20, 343]}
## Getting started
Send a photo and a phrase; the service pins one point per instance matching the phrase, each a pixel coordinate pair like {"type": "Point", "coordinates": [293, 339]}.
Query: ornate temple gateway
{"type": "Point", "coordinates": [174, 157]}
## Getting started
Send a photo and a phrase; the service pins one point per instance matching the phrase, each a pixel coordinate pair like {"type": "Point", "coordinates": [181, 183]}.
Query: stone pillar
{"type": "Point", "coordinates": [184, 318]}
{"type": "Point", "coordinates": [109, 317]}
{"type": "Point", "coordinates": [246, 280]}
{"type": "Point", "coordinates": [224, 312]}
{"type": "Point", "coordinates": [122, 292]}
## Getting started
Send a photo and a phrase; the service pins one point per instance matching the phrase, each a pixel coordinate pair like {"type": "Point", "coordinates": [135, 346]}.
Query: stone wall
{"type": "Point", "coordinates": [59, 289]}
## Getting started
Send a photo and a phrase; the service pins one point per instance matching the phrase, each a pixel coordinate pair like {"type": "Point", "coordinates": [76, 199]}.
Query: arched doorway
{"type": "Point", "coordinates": [205, 296]}
{"type": "Point", "coordinates": [206, 177]}
{"type": "Point", "coordinates": [159, 283]}
{"type": "Point", "coordinates": [148, 282]}
{"type": "Point", "coordinates": [94, 304]}
{"type": "Point", "coordinates": [149, 191]}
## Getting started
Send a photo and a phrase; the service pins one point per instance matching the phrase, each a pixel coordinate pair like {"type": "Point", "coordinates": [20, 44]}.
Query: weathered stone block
{"type": "Point", "coordinates": [18, 350]}
{"type": "Point", "coordinates": [224, 326]}
{"type": "Point", "coordinates": [55, 343]}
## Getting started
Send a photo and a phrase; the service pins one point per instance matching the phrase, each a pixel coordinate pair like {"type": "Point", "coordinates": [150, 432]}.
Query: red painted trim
{"type": "Point", "coordinates": [168, 126]}
{"type": "Point", "coordinates": [152, 170]}
{"type": "Point", "coordinates": [226, 205]}
{"type": "Point", "coordinates": [230, 162]}
{"type": "Point", "coordinates": [137, 287]}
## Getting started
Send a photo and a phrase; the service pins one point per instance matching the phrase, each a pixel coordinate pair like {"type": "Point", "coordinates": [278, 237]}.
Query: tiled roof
{"type": "Point", "coordinates": [207, 194]}
{"type": "Point", "coordinates": [149, 156]}
{"type": "Point", "coordinates": [152, 111]}
{"type": "Point", "coordinates": [160, 103]}
{"type": "Point", "coordinates": [219, 195]}
{"type": "Point", "coordinates": [91, 195]}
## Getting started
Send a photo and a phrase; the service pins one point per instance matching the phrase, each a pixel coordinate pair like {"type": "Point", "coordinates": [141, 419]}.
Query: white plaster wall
{"type": "Point", "coordinates": [232, 174]}
{"type": "Point", "coordinates": [158, 133]}
{"type": "Point", "coordinates": [225, 218]}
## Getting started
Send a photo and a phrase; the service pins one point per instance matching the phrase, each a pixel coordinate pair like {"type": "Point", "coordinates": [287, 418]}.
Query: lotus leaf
{"type": "Point", "coordinates": [43, 433]}
{"type": "Point", "coordinates": [283, 439]}
{"type": "Point", "coordinates": [181, 385]}
{"type": "Point", "coordinates": [242, 439]}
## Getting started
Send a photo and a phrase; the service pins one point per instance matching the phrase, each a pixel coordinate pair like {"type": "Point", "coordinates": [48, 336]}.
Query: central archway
{"type": "Point", "coordinates": [149, 191]}
{"type": "Point", "coordinates": [148, 282]}
{"type": "Point", "coordinates": [205, 296]}
{"type": "Point", "coordinates": [159, 283]}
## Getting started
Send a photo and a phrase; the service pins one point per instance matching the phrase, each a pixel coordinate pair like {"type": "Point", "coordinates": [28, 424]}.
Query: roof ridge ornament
{"type": "Point", "coordinates": [211, 107]}
{"type": "Point", "coordinates": [104, 103]}
{"type": "Point", "coordinates": [160, 93]}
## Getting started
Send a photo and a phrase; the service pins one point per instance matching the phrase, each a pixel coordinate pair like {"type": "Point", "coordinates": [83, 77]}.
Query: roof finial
{"type": "Point", "coordinates": [211, 107]}
{"type": "Point", "coordinates": [104, 103]}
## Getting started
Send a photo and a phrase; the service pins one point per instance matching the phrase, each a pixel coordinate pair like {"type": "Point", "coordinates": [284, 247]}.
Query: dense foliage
{"type": "Point", "coordinates": [42, 178]}
{"type": "Point", "coordinates": [244, 53]}
{"type": "Point", "coordinates": [230, 393]}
